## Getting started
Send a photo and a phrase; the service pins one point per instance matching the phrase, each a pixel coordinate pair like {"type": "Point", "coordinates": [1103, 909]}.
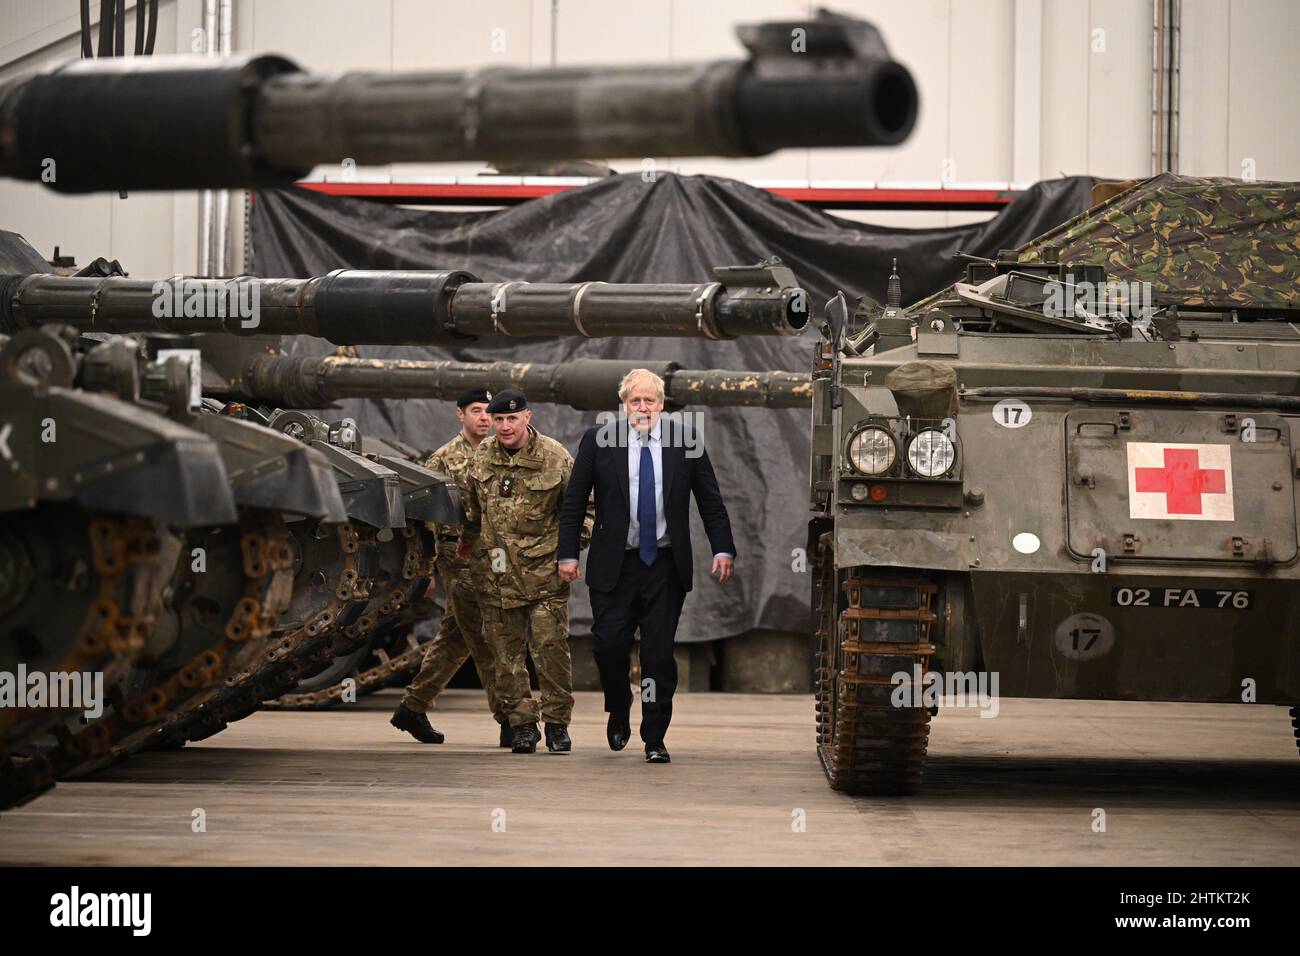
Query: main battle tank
{"type": "Point", "coordinates": [326, 547]}
{"type": "Point", "coordinates": [351, 578]}
{"type": "Point", "coordinates": [163, 627]}
{"type": "Point", "coordinates": [1072, 475]}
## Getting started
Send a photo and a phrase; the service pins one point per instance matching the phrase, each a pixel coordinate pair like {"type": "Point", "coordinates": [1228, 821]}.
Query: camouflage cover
{"type": "Point", "coordinates": [1213, 242]}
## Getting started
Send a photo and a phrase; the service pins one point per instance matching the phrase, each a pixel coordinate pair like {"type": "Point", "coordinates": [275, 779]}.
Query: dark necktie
{"type": "Point", "coordinates": [646, 515]}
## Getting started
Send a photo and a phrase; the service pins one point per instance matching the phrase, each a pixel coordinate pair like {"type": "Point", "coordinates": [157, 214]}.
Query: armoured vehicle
{"type": "Point", "coordinates": [1072, 475]}
{"type": "Point", "coordinates": [135, 606]}
{"type": "Point", "coordinates": [351, 577]}
{"type": "Point", "coordinates": [274, 546]}
{"type": "Point", "coordinates": [83, 556]}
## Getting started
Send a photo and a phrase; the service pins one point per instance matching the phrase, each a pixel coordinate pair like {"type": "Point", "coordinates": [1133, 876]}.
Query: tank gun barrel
{"type": "Point", "coordinates": [295, 381]}
{"type": "Point", "coordinates": [353, 307]}
{"type": "Point", "coordinates": [187, 123]}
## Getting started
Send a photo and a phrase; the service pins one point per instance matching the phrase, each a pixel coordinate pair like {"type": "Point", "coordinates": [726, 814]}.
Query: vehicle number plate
{"type": "Point", "coordinates": [1199, 598]}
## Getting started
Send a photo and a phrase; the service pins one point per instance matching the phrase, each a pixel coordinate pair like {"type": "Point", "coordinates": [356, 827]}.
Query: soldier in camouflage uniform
{"type": "Point", "coordinates": [460, 632]}
{"type": "Point", "coordinates": [512, 494]}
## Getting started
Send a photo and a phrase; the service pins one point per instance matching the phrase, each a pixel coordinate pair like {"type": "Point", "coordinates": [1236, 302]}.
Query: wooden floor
{"type": "Point", "coordinates": [1179, 785]}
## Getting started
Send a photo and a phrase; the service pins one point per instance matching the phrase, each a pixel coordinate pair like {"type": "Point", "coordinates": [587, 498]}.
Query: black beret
{"type": "Point", "coordinates": [506, 401]}
{"type": "Point", "coordinates": [473, 396]}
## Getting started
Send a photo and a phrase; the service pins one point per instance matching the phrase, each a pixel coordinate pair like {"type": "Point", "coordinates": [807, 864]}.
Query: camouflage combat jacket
{"type": "Point", "coordinates": [512, 507]}
{"type": "Point", "coordinates": [453, 460]}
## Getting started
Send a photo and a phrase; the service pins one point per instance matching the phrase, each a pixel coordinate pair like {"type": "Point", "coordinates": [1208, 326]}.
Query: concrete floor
{"type": "Point", "coordinates": [1179, 784]}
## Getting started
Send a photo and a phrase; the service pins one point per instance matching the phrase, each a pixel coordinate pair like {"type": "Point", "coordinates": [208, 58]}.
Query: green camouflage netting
{"type": "Point", "coordinates": [1211, 242]}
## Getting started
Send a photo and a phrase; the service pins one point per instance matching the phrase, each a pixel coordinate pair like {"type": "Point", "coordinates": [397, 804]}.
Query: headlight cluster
{"type": "Point", "coordinates": [931, 453]}
{"type": "Point", "coordinates": [873, 451]}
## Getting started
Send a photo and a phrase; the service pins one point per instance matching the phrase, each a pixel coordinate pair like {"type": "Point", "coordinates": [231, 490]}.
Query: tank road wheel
{"type": "Point", "coordinates": [400, 580]}
{"type": "Point", "coordinates": [329, 598]}
{"type": "Point", "coordinates": [866, 744]}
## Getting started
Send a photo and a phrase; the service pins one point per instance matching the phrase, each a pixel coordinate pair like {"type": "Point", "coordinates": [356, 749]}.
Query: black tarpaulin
{"type": "Point", "coordinates": [675, 229]}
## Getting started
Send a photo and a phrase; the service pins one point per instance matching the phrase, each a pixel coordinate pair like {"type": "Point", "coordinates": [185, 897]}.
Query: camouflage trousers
{"type": "Point", "coordinates": [539, 629]}
{"type": "Point", "coordinates": [460, 636]}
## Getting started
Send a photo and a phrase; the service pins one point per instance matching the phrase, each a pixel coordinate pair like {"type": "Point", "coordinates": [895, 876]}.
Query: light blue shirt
{"type": "Point", "coordinates": [637, 439]}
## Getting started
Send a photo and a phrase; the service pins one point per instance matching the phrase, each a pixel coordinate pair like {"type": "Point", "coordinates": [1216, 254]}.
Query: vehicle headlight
{"type": "Point", "coordinates": [872, 451]}
{"type": "Point", "coordinates": [931, 453]}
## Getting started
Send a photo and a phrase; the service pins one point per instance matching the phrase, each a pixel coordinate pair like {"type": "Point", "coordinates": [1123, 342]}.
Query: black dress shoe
{"type": "Point", "coordinates": [618, 731]}
{"type": "Point", "coordinates": [525, 739]}
{"type": "Point", "coordinates": [416, 724]}
{"type": "Point", "coordinates": [507, 735]}
{"type": "Point", "coordinates": [557, 739]}
{"type": "Point", "coordinates": [657, 753]}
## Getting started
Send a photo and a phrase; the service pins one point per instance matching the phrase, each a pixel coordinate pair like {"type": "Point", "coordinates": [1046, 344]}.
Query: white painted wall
{"type": "Point", "coordinates": [1011, 90]}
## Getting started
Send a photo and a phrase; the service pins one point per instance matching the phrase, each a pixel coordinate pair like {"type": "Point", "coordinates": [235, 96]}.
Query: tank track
{"type": "Point", "coordinates": [130, 562]}
{"type": "Point", "coordinates": [867, 745]}
{"type": "Point", "coordinates": [1295, 725]}
{"type": "Point", "coordinates": [290, 656]}
{"type": "Point", "coordinates": [130, 565]}
{"type": "Point", "coordinates": [361, 600]}
{"type": "Point", "coordinates": [336, 674]}
{"type": "Point", "coordinates": [399, 667]}
{"type": "Point", "coordinates": [266, 568]}
{"type": "Point", "coordinates": [118, 604]}
{"type": "Point", "coordinates": [396, 602]}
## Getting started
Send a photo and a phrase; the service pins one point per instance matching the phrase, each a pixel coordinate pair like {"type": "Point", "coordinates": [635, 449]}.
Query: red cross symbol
{"type": "Point", "coordinates": [1182, 481]}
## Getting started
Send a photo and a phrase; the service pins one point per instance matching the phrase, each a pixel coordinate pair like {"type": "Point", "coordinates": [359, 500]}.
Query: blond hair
{"type": "Point", "coordinates": [638, 375]}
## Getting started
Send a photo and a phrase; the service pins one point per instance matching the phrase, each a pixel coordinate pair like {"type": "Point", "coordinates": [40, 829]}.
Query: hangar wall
{"type": "Point", "coordinates": [1011, 90]}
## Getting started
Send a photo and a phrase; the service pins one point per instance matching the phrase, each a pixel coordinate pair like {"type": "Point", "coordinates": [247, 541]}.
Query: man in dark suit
{"type": "Point", "coordinates": [644, 472]}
